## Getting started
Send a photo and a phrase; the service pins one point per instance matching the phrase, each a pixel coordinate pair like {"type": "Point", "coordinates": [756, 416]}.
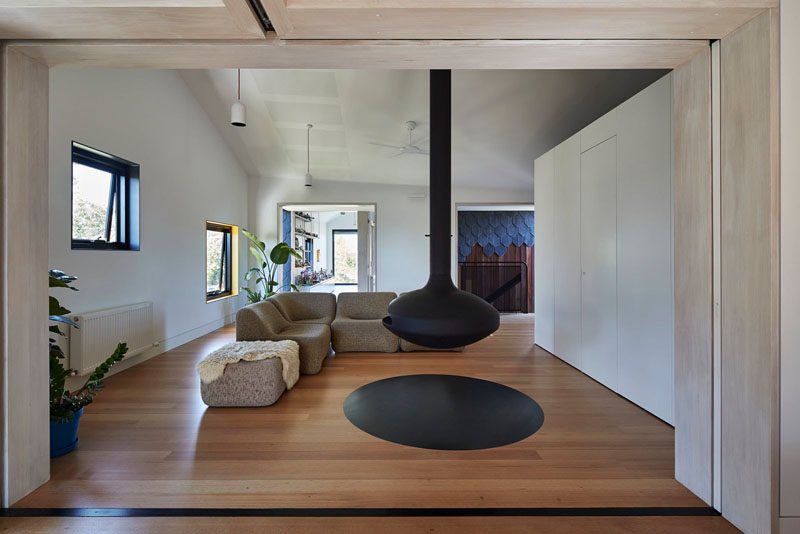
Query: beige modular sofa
{"type": "Point", "coordinates": [358, 326]}
{"type": "Point", "coordinates": [301, 317]}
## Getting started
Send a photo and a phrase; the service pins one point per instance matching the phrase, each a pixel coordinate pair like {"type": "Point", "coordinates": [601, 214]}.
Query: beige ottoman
{"type": "Point", "coordinates": [258, 383]}
{"type": "Point", "coordinates": [248, 373]}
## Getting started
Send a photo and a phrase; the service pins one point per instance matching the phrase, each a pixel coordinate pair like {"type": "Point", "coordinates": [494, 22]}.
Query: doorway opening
{"type": "Point", "coordinates": [336, 243]}
{"type": "Point", "coordinates": [495, 254]}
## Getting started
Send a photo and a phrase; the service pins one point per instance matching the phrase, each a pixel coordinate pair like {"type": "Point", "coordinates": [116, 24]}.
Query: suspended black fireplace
{"type": "Point", "coordinates": [440, 315]}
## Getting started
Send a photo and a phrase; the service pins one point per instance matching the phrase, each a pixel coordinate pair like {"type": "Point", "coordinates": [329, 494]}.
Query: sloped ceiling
{"type": "Point", "coordinates": [502, 120]}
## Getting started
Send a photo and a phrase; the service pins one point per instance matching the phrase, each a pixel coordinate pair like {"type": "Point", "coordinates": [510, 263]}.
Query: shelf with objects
{"type": "Point", "coordinates": [308, 273]}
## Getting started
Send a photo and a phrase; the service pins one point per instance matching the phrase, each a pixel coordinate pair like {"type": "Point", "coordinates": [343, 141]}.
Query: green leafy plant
{"type": "Point", "coordinates": [64, 403]}
{"type": "Point", "coordinates": [267, 269]}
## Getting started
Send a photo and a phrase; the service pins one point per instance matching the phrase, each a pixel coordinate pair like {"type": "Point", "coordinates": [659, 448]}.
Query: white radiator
{"type": "Point", "coordinates": [101, 330]}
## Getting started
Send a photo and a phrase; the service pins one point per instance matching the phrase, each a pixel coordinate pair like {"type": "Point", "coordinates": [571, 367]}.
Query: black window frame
{"type": "Point", "coordinates": [226, 259]}
{"type": "Point", "coordinates": [124, 190]}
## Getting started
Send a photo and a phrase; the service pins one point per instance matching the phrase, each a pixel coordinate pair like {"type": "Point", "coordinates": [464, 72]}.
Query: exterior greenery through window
{"type": "Point", "coordinates": [105, 200]}
{"type": "Point", "coordinates": [345, 256]}
{"type": "Point", "coordinates": [219, 260]}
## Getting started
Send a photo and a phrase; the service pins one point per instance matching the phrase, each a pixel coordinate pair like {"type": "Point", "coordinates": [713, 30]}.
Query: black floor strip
{"type": "Point", "coordinates": [688, 511]}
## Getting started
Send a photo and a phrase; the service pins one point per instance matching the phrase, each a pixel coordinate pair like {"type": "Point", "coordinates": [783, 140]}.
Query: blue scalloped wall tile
{"type": "Point", "coordinates": [495, 231]}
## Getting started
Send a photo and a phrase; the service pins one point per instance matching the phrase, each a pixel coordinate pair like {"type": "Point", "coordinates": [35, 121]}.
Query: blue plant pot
{"type": "Point", "coordinates": [64, 436]}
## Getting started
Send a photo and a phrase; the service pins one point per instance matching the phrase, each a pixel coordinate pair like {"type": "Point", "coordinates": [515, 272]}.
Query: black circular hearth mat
{"type": "Point", "coordinates": [444, 412]}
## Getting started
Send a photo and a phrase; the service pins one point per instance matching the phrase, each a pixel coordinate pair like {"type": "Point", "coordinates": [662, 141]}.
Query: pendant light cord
{"type": "Point", "coordinates": [308, 149]}
{"type": "Point", "coordinates": [238, 84]}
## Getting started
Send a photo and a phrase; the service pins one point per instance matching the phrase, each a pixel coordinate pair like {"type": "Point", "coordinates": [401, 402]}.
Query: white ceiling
{"type": "Point", "coordinates": [502, 120]}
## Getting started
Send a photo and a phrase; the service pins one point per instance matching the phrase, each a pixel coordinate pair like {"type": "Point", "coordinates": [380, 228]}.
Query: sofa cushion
{"type": "Point", "coordinates": [362, 335]}
{"type": "Point", "coordinates": [372, 305]}
{"type": "Point", "coordinates": [315, 344]}
{"type": "Point", "coordinates": [306, 307]}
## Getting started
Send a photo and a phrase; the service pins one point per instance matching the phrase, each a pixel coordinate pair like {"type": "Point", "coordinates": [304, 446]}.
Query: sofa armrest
{"type": "Point", "coordinates": [259, 322]}
{"type": "Point", "coordinates": [249, 326]}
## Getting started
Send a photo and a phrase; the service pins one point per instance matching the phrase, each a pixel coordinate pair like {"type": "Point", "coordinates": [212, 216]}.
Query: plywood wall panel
{"type": "Point", "coordinates": [692, 236]}
{"type": "Point", "coordinates": [23, 253]}
{"type": "Point", "coordinates": [749, 268]}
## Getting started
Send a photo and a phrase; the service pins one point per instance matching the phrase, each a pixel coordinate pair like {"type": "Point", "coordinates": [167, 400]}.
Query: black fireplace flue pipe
{"type": "Point", "coordinates": [440, 315]}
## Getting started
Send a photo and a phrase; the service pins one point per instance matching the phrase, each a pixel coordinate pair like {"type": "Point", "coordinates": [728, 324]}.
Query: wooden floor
{"type": "Point", "coordinates": [148, 441]}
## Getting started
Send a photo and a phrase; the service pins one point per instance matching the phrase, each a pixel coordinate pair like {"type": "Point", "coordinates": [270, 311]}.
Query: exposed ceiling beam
{"type": "Point", "coordinates": [278, 16]}
{"type": "Point", "coordinates": [128, 19]}
{"type": "Point", "coordinates": [511, 19]}
{"type": "Point", "coordinates": [529, 4]}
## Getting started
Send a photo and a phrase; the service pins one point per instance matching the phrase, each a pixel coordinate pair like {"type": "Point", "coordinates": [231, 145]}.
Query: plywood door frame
{"type": "Point", "coordinates": [272, 53]}
{"type": "Point", "coordinates": [692, 249]}
{"type": "Point", "coordinates": [24, 184]}
{"type": "Point", "coordinates": [750, 274]}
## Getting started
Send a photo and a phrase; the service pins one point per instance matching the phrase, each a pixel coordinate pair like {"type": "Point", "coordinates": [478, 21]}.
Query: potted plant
{"type": "Point", "coordinates": [267, 268]}
{"type": "Point", "coordinates": [66, 407]}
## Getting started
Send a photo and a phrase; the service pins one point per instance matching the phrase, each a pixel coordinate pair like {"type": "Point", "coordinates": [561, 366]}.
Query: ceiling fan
{"type": "Point", "coordinates": [410, 148]}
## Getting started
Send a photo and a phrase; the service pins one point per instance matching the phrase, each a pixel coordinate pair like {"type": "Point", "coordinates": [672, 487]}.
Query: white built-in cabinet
{"type": "Point", "coordinates": [567, 255]}
{"type": "Point", "coordinates": [598, 196]}
{"type": "Point", "coordinates": [604, 295]}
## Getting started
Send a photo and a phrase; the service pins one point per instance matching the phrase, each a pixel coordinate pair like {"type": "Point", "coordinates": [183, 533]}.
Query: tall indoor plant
{"type": "Point", "coordinates": [267, 270]}
{"type": "Point", "coordinates": [66, 407]}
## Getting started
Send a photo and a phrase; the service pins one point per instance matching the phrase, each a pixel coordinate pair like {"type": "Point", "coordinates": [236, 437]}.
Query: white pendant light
{"type": "Point", "coordinates": [238, 111]}
{"type": "Point", "coordinates": [309, 178]}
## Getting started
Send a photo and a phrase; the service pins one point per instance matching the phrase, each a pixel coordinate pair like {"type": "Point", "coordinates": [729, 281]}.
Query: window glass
{"type": "Point", "coordinates": [105, 200]}
{"type": "Point", "coordinates": [345, 257]}
{"type": "Point", "coordinates": [90, 203]}
{"type": "Point", "coordinates": [215, 264]}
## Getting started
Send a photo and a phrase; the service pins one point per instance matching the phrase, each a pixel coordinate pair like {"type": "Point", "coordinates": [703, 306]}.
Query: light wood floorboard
{"type": "Point", "coordinates": [148, 441]}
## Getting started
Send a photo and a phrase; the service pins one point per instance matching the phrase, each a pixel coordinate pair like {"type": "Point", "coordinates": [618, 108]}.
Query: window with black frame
{"type": "Point", "coordinates": [105, 200]}
{"type": "Point", "coordinates": [219, 260]}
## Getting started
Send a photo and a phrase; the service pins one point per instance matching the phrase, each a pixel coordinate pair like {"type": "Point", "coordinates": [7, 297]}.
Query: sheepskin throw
{"type": "Point", "coordinates": [212, 366]}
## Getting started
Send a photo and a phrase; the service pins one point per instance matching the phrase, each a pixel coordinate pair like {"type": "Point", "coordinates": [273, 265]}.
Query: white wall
{"type": "Point", "coordinates": [188, 176]}
{"type": "Point", "coordinates": [402, 222]}
{"type": "Point", "coordinates": [790, 265]}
